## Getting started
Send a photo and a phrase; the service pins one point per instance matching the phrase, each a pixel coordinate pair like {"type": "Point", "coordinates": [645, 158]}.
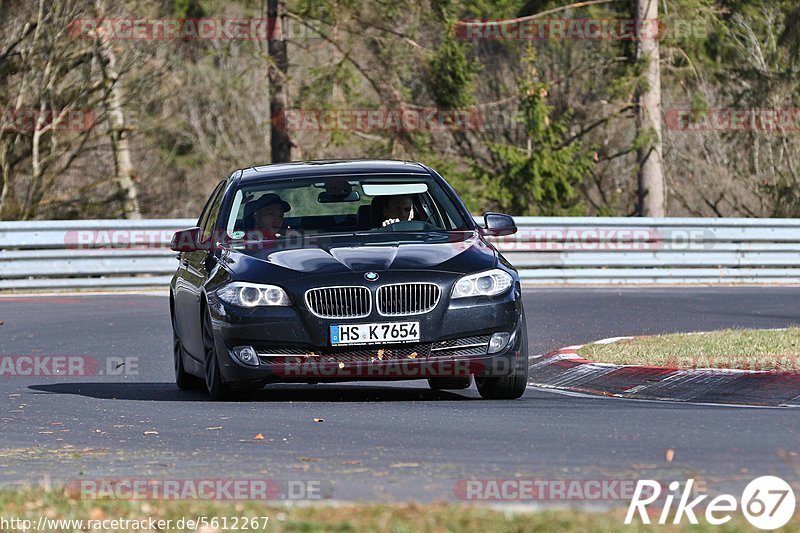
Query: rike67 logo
{"type": "Point", "coordinates": [768, 502]}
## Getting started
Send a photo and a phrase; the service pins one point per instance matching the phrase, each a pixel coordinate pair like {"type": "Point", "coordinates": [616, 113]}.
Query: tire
{"type": "Point", "coordinates": [450, 383]}
{"type": "Point", "coordinates": [508, 387]}
{"type": "Point", "coordinates": [217, 390]}
{"type": "Point", "coordinates": [183, 379]}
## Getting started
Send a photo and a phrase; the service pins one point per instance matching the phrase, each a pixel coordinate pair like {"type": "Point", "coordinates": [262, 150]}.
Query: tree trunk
{"type": "Point", "coordinates": [123, 164]}
{"type": "Point", "coordinates": [280, 144]}
{"type": "Point", "coordinates": [5, 180]}
{"type": "Point", "coordinates": [34, 191]}
{"type": "Point", "coordinates": [652, 189]}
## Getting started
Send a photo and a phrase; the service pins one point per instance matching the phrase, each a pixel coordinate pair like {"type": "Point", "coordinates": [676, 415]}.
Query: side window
{"type": "Point", "coordinates": [432, 212]}
{"type": "Point", "coordinates": [207, 207]}
{"type": "Point", "coordinates": [211, 212]}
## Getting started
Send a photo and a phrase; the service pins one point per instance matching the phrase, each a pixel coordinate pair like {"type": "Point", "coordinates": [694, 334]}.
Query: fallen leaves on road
{"type": "Point", "coordinates": [669, 455]}
{"type": "Point", "coordinates": [319, 420]}
{"type": "Point", "coordinates": [786, 456]}
{"type": "Point", "coordinates": [259, 437]}
{"type": "Point", "coordinates": [404, 465]}
{"type": "Point", "coordinates": [353, 462]}
{"type": "Point", "coordinates": [150, 433]}
{"type": "Point", "coordinates": [359, 470]}
{"type": "Point", "coordinates": [215, 427]}
{"type": "Point", "coordinates": [308, 459]}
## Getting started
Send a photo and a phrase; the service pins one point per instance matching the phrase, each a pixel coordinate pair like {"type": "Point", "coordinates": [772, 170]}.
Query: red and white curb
{"type": "Point", "coordinates": [565, 370]}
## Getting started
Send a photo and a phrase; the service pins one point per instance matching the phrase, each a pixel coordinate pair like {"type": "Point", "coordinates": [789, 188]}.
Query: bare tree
{"type": "Point", "coordinates": [51, 85]}
{"type": "Point", "coordinates": [652, 189]}
{"type": "Point", "coordinates": [118, 131]}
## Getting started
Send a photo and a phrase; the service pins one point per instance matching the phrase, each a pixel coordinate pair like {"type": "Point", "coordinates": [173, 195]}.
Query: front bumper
{"type": "Point", "coordinates": [309, 357]}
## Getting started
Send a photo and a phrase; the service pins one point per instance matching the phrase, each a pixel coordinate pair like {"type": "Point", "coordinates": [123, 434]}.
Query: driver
{"type": "Point", "coordinates": [268, 213]}
{"type": "Point", "coordinates": [398, 208]}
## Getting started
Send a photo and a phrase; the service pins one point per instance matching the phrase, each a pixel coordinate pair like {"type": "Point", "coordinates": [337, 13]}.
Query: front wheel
{"type": "Point", "coordinates": [216, 388]}
{"type": "Point", "coordinates": [508, 387]}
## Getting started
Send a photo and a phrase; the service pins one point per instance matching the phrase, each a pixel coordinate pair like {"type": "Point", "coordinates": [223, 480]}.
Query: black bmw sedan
{"type": "Point", "coordinates": [329, 271]}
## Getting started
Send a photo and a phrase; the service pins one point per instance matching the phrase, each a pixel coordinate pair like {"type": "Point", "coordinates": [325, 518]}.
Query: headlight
{"type": "Point", "coordinates": [243, 294]}
{"type": "Point", "coordinates": [489, 283]}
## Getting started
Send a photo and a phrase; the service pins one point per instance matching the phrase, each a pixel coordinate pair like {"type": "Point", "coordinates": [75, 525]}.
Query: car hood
{"type": "Point", "coordinates": [459, 252]}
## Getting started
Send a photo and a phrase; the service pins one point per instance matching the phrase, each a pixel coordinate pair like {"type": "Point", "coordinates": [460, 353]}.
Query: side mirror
{"type": "Point", "coordinates": [498, 224]}
{"type": "Point", "coordinates": [187, 240]}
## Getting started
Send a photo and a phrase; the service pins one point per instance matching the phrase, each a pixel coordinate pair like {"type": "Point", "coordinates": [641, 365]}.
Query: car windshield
{"type": "Point", "coordinates": [342, 204]}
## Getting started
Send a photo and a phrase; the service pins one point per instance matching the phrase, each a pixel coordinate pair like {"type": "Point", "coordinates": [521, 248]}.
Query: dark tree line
{"type": "Point", "coordinates": [124, 127]}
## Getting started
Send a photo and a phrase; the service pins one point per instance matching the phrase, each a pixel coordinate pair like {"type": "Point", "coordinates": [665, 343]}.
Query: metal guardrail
{"type": "Point", "coordinates": [548, 251]}
{"type": "Point", "coordinates": [87, 254]}
{"type": "Point", "coordinates": [591, 251]}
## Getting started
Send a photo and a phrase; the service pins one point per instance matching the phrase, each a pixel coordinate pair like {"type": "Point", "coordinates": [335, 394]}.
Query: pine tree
{"type": "Point", "coordinates": [543, 177]}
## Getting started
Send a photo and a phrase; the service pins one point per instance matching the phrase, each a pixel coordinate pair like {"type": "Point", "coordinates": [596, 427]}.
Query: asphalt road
{"type": "Point", "coordinates": [384, 442]}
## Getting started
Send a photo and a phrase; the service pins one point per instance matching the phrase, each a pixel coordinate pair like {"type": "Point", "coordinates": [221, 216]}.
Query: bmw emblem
{"type": "Point", "coordinates": [371, 276]}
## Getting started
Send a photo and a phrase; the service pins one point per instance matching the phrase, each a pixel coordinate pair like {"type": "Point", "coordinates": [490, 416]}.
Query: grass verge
{"type": "Point", "coordinates": [746, 349]}
{"type": "Point", "coordinates": [31, 504]}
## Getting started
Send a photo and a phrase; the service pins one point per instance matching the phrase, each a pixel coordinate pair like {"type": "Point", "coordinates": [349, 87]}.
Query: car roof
{"type": "Point", "coordinates": [337, 167]}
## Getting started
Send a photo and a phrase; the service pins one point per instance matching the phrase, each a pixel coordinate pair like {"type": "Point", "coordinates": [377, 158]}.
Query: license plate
{"type": "Point", "coordinates": [381, 333]}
